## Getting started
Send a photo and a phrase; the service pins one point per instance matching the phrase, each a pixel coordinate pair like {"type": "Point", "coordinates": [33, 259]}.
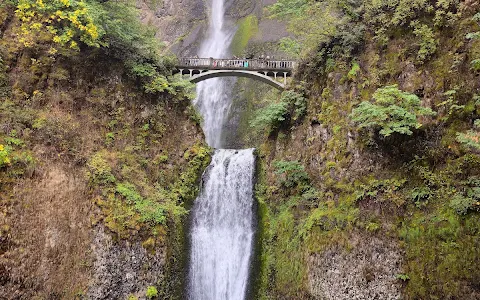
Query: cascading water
{"type": "Point", "coordinates": [222, 221]}
{"type": "Point", "coordinates": [214, 98]}
{"type": "Point", "coordinates": [222, 229]}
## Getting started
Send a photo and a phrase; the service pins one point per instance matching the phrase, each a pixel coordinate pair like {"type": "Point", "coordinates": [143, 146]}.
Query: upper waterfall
{"type": "Point", "coordinates": [214, 95]}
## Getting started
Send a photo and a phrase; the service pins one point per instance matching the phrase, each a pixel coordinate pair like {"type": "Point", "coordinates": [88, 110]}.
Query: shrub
{"type": "Point", "coordinates": [461, 204]}
{"type": "Point", "coordinates": [290, 46]}
{"type": "Point", "coordinates": [475, 63]}
{"type": "Point", "coordinates": [467, 196]}
{"type": "Point", "coordinates": [352, 74]}
{"type": "Point", "coordinates": [65, 22]}
{"type": "Point", "coordinates": [292, 172]}
{"type": "Point", "coordinates": [150, 211]}
{"type": "Point", "coordinates": [421, 195]}
{"type": "Point", "coordinates": [151, 292]}
{"type": "Point", "coordinates": [271, 116]}
{"type": "Point", "coordinates": [99, 171]}
{"type": "Point", "coordinates": [428, 43]}
{"type": "Point", "coordinates": [4, 155]}
{"type": "Point", "coordinates": [392, 111]}
{"type": "Point", "coordinates": [471, 138]}
{"type": "Point", "coordinates": [114, 26]}
{"type": "Point", "coordinates": [292, 106]}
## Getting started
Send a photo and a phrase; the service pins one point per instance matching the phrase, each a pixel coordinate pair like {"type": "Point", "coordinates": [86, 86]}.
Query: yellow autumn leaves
{"type": "Point", "coordinates": [4, 156]}
{"type": "Point", "coordinates": [65, 22]}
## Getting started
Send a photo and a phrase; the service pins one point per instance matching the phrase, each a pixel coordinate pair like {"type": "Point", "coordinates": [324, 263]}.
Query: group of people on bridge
{"type": "Point", "coordinates": [258, 63]}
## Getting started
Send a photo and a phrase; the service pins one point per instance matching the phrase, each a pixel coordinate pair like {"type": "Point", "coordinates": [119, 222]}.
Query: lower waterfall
{"type": "Point", "coordinates": [222, 231]}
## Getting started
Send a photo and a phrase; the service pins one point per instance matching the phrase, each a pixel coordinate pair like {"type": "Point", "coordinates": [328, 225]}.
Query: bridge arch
{"type": "Point", "coordinates": [237, 73]}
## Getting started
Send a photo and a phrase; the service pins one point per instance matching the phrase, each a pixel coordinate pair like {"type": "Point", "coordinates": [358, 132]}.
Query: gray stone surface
{"type": "Point", "coordinates": [123, 268]}
{"type": "Point", "coordinates": [180, 24]}
{"type": "Point", "coordinates": [366, 272]}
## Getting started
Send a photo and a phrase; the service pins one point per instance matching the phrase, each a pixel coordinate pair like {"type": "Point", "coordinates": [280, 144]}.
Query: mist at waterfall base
{"type": "Point", "coordinates": [222, 229]}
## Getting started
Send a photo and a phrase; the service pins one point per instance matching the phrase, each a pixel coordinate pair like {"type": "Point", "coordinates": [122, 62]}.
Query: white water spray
{"type": "Point", "coordinates": [213, 96]}
{"type": "Point", "coordinates": [222, 231]}
{"type": "Point", "coordinates": [222, 219]}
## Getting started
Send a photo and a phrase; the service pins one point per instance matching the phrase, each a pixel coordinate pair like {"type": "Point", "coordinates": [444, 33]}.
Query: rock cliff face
{"type": "Point", "coordinates": [181, 24]}
{"type": "Point", "coordinates": [64, 233]}
{"type": "Point", "coordinates": [123, 268]}
{"type": "Point", "coordinates": [367, 271]}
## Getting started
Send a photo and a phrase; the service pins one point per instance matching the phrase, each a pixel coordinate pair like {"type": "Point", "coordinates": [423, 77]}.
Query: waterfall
{"type": "Point", "coordinates": [214, 95]}
{"type": "Point", "coordinates": [222, 220]}
{"type": "Point", "coordinates": [222, 231]}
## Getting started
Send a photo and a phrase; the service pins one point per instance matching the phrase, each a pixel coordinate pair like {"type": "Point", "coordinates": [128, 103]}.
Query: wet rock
{"type": "Point", "coordinates": [123, 268]}
{"type": "Point", "coordinates": [366, 272]}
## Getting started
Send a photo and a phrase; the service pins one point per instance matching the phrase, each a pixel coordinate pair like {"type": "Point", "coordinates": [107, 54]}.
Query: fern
{"type": "Point", "coordinates": [392, 111]}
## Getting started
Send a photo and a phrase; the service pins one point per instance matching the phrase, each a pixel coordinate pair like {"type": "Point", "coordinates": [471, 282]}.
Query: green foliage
{"type": "Point", "coordinates": [330, 217]}
{"type": "Point", "coordinates": [462, 204]}
{"type": "Point", "coordinates": [471, 138]}
{"type": "Point", "coordinates": [109, 138]}
{"type": "Point", "coordinates": [14, 156]}
{"type": "Point", "coordinates": [440, 253]}
{"type": "Point", "coordinates": [247, 28]}
{"type": "Point", "coordinates": [292, 107]}
{"type": "Point", "coordinates": [468, 198]}
{"type": "Point", "coordinates": [289, 265]}
{"type": "Point", "coordinates": [5, 152]}
{"type": "Point", "coordinates": [4, 87]}
{"type": "Point", "coordinates": [128, 191]}
{"type": "Point", "coordinates": [290, 46]}
{"type": "Point", "coordinates": [186, 187]}
{"type": "Point", "coordinates": [64, 26]}
{"type": "Point", "coordinates": [289, 8]}
{"type": "Point", "coordinates": [151, 292]}
{"type": "Point", "coordinates": [420, 195]}
{"type": "Point", "coordinates": [402, 277]}
{"type": "Point", "coordinates": [174, 85]}
{"type": "Point", "coordinates": [292, 173]}
{"type": "Point", "coordinates": [450, 106]}
{"type": "Point", "coordinates": [352, 74]}
{"type": "Point", "coordinates": [392, 111]}
{"type": "Point", "coordinates": [428, 43]}
{"type": "Point", "coordinates": [271, 116]}
{"type": "Point", "coordinates": [389, 15]}
{"type": "Point", "coordinates": [381, 190]}
{"type": "Point", "coordinates": [99, 171]}
{"type": "Point", "coordinates": [475, 64]}
{"type": "Point", "coordinates": [316, 22]}
{"type": "Point", "coordinates": [66, 22]}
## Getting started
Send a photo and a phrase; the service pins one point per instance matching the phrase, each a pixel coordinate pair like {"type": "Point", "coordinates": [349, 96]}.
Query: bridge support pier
{"type": "Point", "coordinates": [285, 78]}
{"type": "Point", "coordinates": [191, 72]}
{"type": "Point", "coordinates": [275, 75]}
{"type": "Point", "coordinates": [181, 71]}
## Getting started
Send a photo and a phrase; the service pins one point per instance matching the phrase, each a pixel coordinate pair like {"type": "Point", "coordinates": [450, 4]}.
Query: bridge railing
{"type": "Point", "coordinates": [250, 64]}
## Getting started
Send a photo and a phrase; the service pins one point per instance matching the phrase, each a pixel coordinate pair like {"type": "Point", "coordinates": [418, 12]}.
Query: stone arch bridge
{"type": "Point", "coordinates": [268, 71]}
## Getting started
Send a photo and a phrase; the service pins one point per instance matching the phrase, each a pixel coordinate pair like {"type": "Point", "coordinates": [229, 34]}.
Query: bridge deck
{"type": "Point", "coordinates": [261, 65]}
